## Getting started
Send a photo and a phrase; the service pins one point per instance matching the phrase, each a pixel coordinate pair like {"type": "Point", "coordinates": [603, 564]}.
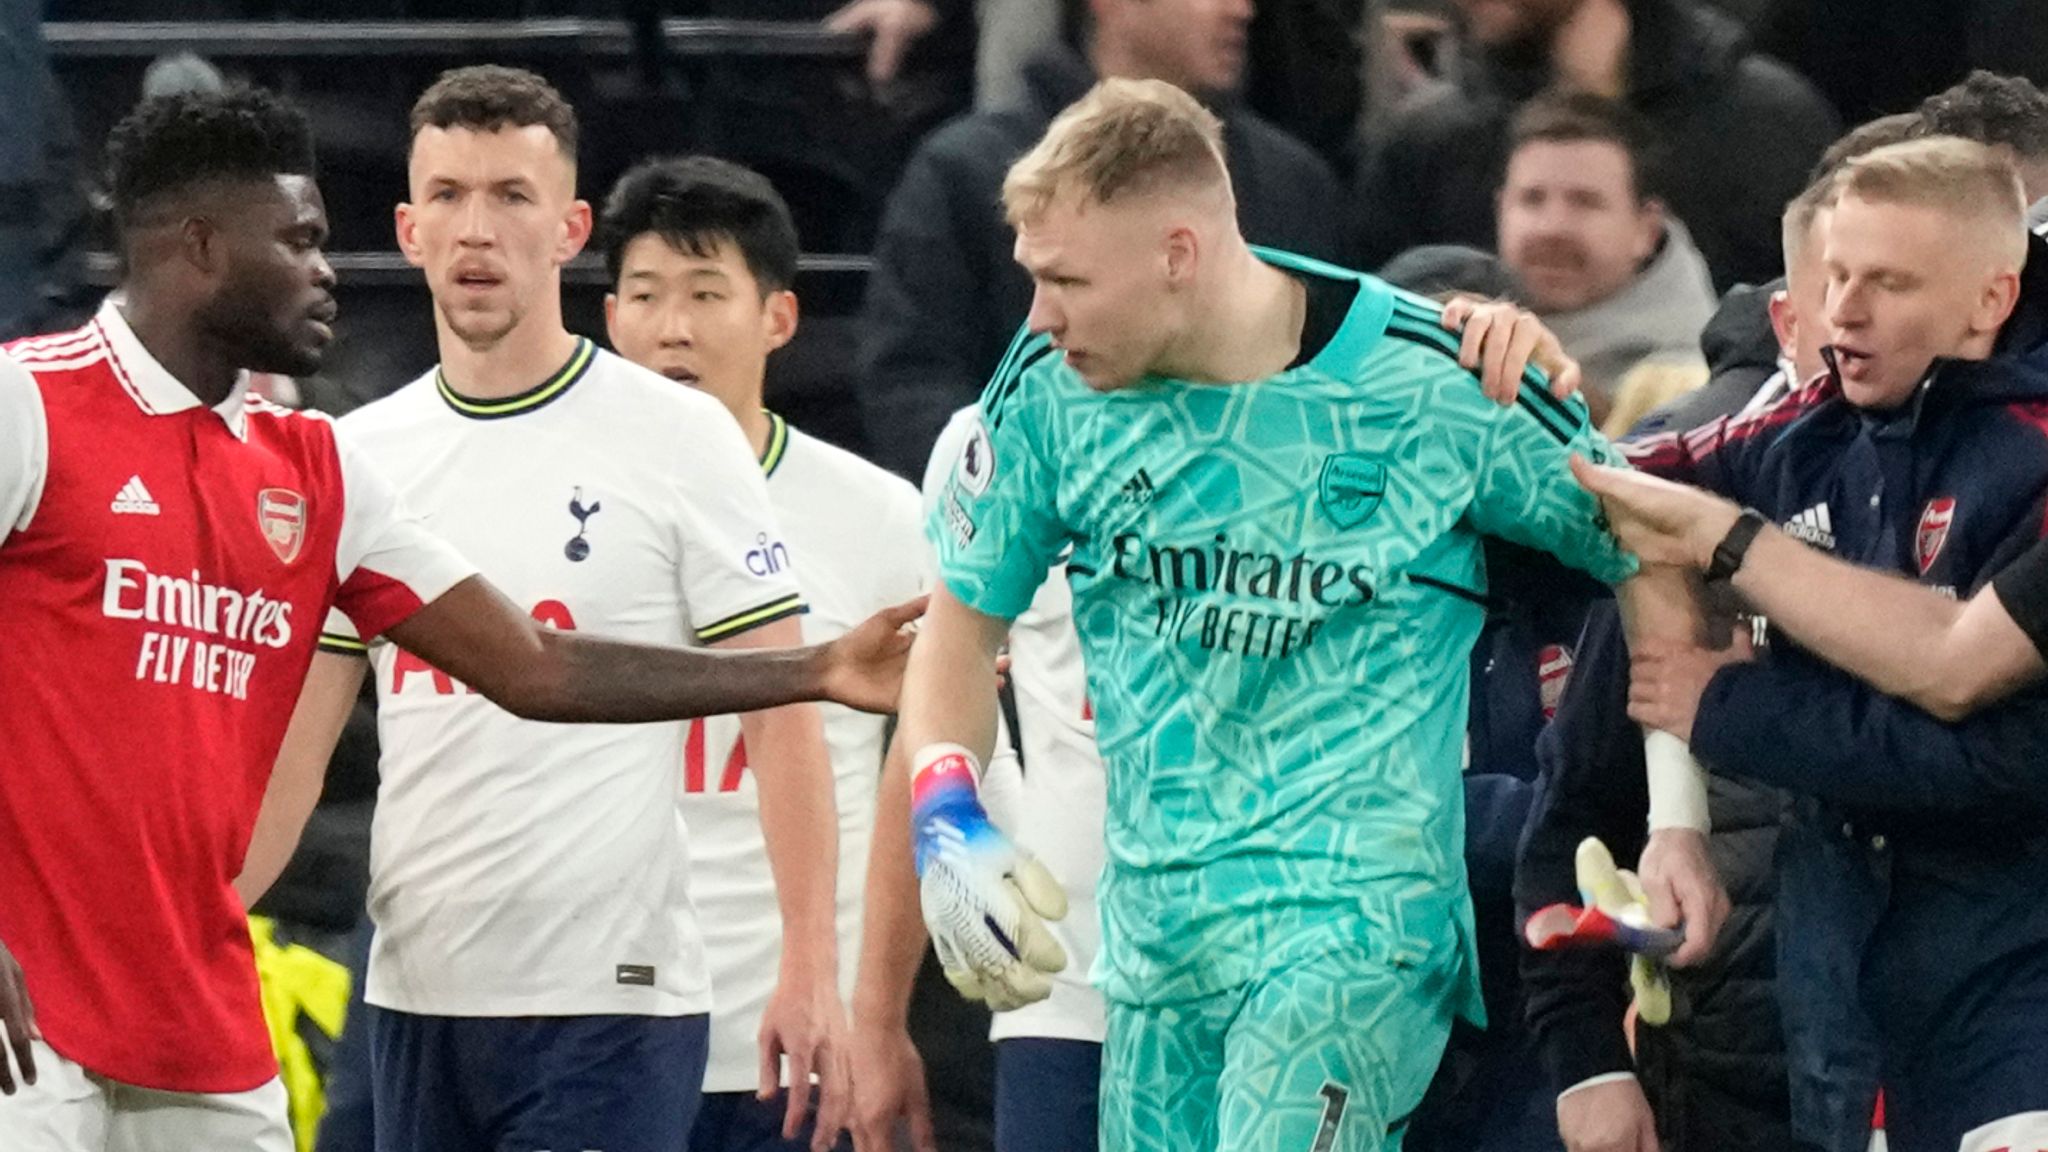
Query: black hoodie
{"type": "Point", "coordinates": [1732, 137]}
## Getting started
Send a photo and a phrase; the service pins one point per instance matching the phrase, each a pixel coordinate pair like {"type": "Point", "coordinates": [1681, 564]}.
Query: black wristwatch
{"type": "Point", "coordinates": [1734, 546]}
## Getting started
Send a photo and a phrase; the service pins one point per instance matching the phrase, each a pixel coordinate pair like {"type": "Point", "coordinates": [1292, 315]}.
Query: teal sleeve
{"type": "Point", "coordinates": [995, 525]}
{"type": "Point", "coordinates": [1526, 493]}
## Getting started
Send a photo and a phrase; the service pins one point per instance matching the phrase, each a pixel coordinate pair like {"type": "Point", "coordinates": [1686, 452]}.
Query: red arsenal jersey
{"type": "Point", "coordinates": [164, 571]}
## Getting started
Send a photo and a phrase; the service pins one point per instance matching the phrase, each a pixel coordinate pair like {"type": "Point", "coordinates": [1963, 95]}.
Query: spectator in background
{"type": "Point", "coordinates": [945, 298]}
{"type": "Point", "coordinates": [23, 96]}
{"type": "Point", "coordinates": [1735, 133]}
{"type": "Point", "coordinates": [2007, 112]}
{"type": "Point", "coordinates": [1610, 273]}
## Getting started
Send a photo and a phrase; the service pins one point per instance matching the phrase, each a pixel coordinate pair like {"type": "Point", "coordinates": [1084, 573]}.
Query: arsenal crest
{"type": "Point", "coordinates": [281, 514]}
{"type": "Point", "coordinates": [1351, 487]}
{"type": "Point", "coordinates": [1933, 533]}
{"type": "Point", "coordinates": [1553, 671]}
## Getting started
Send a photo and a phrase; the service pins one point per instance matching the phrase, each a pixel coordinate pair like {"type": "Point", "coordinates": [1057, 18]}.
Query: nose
{"type": "Point", "coordinates": [675, 327]}
{"type": "Point", "coordinates": [323, 272]}
{"type": "Point", "coordinates": [1044, 316]}
{"type": "Point", "coordinates": [475, 230]}
{"type": "Point", "coordinates": [1848, 306]}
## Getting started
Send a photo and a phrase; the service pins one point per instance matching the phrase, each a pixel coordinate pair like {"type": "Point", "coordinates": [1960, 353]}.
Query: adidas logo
{"type": "Point", "coordinates": [135, 500]}
{"type": "Point", "coordinates": [1138, 489]}
{"type": "Point", "coordinates": [1813, 526]}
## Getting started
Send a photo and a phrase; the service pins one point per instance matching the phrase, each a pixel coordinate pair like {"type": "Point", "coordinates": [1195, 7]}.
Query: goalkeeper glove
{"type": "Point", "coordinates": [985, 900]}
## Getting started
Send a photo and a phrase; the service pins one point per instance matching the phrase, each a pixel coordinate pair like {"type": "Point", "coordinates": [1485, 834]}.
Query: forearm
{"type": "Point", "coordinates": [892, 933]}
{"type": "Point", "coordinates": [473, 633]}
{"type": "Point", "coordinates": [1897, 635]}
{"type": "Point", "coordinates": [300, 773]}
{"type": "Point", "coordinates": [949, 688]}
{"type": "Point", "coordinates": [799, 822]}
{"type": "Point", "coordinates": [1662, 604]}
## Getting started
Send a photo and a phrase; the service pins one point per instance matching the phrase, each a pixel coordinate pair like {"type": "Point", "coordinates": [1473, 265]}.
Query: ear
{"type": "Point", "coordinates": [1784, 322]}
{"type": "Point", "coordinates": [1995, 304]}
{"type": "Point", "coordinates": [202, 245]}
{"type": "Point", "coordinates": [611, 319]}
{"type": "Point", "coordinates": [780, 318]}
{"type": "Point", "coordinates": [408, 230]}
{"type": "Point", "coordinates": [575, 231]}
{"type": "Point", "coordinates": [1182, 250]}
{"type": "Point", "coordinates": [1649, 227]}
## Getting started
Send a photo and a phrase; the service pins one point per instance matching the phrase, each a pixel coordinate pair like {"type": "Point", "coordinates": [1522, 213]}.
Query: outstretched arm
{"type": "Point", "coordinates": [1907, 640]}
{"type": "Point", "coordinates": [473, 633]}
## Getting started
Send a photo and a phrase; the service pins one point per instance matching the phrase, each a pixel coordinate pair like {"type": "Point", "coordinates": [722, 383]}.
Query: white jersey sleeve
{"type": "Point", "coordinates": [24, 447]}
{"type": "Point", "coordinates": [387, 563]}
{"type": "Point", "coordinates": [736, 573]}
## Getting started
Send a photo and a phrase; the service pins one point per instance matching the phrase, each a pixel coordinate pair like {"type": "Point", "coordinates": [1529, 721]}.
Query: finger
{"type": "Point", "coordinates": [886, 55]}
{"type": "Point", "coordinates": [770, 1077]}
{"type": "Point", "coordinates": [799, 1093]}
{"type": "Point", "coordinates": [1042, 894]}
{"type": "Point", "coordinates": [835, 1101]}
{"type": "Point", "coordinates": [1566, 379]}
{"type": "Point", "coordinates": [904, 613]}
{"type": "Point", "coordinates": [1593, 477]}
{"type": "Point", "coordinates": [1663, 901]}
{"type": "Point", "coordinates": [851, 18]}
{"type": "Point", "coordinates": [1472, 344]}
{"type": "Point", "coordinates": [1514, 356]}
{"type": "Point", "coordinates": [1457, 310]}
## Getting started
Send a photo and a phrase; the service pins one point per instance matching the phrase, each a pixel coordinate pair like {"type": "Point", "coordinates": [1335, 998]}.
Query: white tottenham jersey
{"type": "Point", "coordinates": [1060, 806]}
{"type": "Point", "coordinates": [521, 868]}
{"type": "Point", "coordinates": [855, 533]}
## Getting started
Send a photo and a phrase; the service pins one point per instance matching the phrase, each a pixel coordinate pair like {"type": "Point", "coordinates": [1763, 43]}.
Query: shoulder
{"type": "Point", "coordinates": [638, 399]}
{"type": "Point", "coordinates": [978, 142]}
{"type": "Point", "coordinates": [850, 480]}
{"type": "Point", "coordinates": [1032, 374]}
{"type": "Point", "coordinates": [409, 404]}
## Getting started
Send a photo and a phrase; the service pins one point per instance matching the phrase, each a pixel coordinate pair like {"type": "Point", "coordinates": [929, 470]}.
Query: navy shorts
{"type": "Point", "coordinates": [737, 1122]}
{"type": "Point", "coordinates": [1046, 1093]}
{"type": "Point", "coordinates": [535, 1083]}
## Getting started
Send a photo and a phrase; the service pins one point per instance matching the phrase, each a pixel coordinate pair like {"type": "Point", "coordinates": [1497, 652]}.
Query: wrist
{"type": "Point", "coordinates": [1712, 528]}
{"type": "Point", "coordinates": [1733, 547]}
{"type": "Point", "coordinates": [942, 777]}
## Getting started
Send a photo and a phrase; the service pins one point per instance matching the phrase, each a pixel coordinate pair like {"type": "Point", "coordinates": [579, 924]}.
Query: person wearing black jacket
{"type": "Point", "coordinates": [1923, 835]}
{"type": "Point", "coordinates": [945, 298]}
{"type": "Point", "coordinates": [1736, 132]}
{"type": "Point", "coordinates": [1715, 1077]}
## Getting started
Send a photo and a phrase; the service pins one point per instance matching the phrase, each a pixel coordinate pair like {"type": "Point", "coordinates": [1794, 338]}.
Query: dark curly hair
{"type": "Point", "coordinates": [695, 202]}
{"type": "Point", "coordinates": [487, 97]}
{"type": "Point", "coordinates": [170, 143]}
{"type": "Point", "coordinates": [1992, 109]}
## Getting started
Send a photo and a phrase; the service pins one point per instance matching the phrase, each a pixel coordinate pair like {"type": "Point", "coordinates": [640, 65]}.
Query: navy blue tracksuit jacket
{"type": "Point", "coordinates": [1919, 853]}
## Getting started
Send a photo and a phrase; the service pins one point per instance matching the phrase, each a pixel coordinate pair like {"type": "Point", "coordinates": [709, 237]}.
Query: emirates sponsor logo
{"type": "Point", "coordinates": [227, 621]}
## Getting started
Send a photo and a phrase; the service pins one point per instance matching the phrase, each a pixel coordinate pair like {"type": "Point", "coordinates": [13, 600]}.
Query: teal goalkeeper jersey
{"type": "Point", "coordinates": [1277, 586]}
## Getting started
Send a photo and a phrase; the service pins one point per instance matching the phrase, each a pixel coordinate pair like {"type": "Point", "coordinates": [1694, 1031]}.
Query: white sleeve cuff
{"type": "Point", "coordinates": [1596, 1081]}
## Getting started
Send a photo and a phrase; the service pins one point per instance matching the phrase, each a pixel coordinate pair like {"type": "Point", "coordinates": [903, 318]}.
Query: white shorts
{"type": "Point", "coordinates": [69, 1109]}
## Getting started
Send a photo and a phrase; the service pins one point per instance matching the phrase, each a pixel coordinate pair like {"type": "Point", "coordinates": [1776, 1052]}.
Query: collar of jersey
{"type": "Point", "coordinates": [778, 443]}
{"type": "Point", "coordinates": [150, 385]}
{"type": "Point", "coordinates": [538, 396]}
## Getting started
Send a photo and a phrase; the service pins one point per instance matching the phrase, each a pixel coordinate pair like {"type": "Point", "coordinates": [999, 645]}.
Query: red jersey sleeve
{"type": "Point", "coordinates": [388, 564]}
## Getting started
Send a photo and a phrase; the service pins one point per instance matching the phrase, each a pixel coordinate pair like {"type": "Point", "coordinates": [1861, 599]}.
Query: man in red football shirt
{"type": "Point", "coordinates": [169, 547]}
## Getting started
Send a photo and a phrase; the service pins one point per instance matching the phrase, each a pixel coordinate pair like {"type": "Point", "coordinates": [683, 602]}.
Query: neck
{"type": "Point", "coordinates": [174, 337]}
{"type": "Point", "coordinates": [746, 409]}
{"type": "Point", "coordinates": [1114, 59]}
{"type": "Point", "coordinates": [524, 357]}
{"type": "Point", "coordinates": [1589, 52]}
{"type": "Point", "coordinates": [1244, 325]}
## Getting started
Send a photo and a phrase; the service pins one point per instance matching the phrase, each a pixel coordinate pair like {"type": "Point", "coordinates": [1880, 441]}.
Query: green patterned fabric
{"type": "Point", "coordinates": [1331, 1055]}
{"type": "Point", "coordinates": [1277, 586]}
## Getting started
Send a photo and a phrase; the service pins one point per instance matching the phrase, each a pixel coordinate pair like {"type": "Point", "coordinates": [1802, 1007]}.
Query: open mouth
{"type": "Point", "coordinates": [477, 279]}
{"type": "Point", "coordinates": [680, 375]}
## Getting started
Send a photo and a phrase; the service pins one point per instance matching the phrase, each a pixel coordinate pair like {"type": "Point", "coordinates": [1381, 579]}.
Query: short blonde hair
{"type": "Point", "coordinates": [1950, 173]}
{"type": "Point", "coordinates": [1124, 138]}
